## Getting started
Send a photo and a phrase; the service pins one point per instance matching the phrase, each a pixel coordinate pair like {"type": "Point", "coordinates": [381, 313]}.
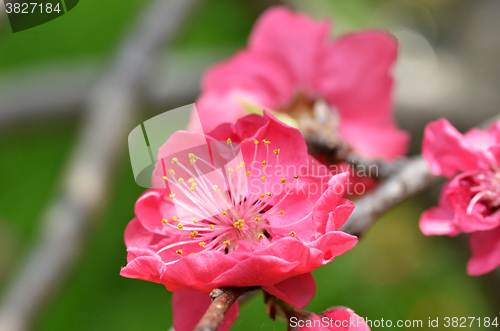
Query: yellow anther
{"type": "Point", "coordinates": [191, 180]}
{"type": "Point", "coordinates": [175, 160]}
{"type": "Point", "coordinates": [295, 176]}
{"type": "Point", "coordinates": [193, 234]}
{"type": "Point", "coordinates": [256, 219]}
{"type": "Point", "coordinates": [262, 195]}
{"type": "Point", "coordinates": [248, 173]}
{"type": "Point", "coordinates": [195, 221]}
{"type": "Point", "coordinates": [256, 142]}
{"type": "Point", "coordinates": [164, 221]}
{"type": "Point", "coordinates": [171, 195]}
{"type": "Point", "coordinates": [230, 170]}
{"type": "Point", "coordinates": [261, 236]}
{"type": "Point", "coordinates": [192, 156]}
{"type": "Point", "coordinates": [281, 212]}
{"type": "Point", "coordinates": [181, 180]}
{"type": "Point", "coordinates": [265, 141]}
{"type": "Point", "coordinates": [242, 164]}
{"type": "Point", "coordinates": [239, 167]}
{"type": "Point", "coordinates": [180, 226]}
{"type": "Point", "coordinates": [171, 171]}
{"type": "Point", "coordinates": [229, 141]}
{"type": "Point", "coordinates": [264, 163]}
{"type": "Point", "coordinates": [179, 251]}
{"type": "Point", "coordinates": [202, 244]}
{"type": "Point", "coordinates": [165, 177]}
{"type": "Point", "coordinates": [212, 226]}
{"type": "Point", "coordinates": [191, 253]}
{"type": "Point", "coordinates": [174, 218]}
{"type": "Point", "coordinates": [263, 178]}
{"type": "Point", "coordinates": [215, 187]}
{"type": "Point", "coordinates": [239, 224]}
{"type": "Point", "coordinates": [283, 180]}
{"type": "Point", "coordinates": [224, 213]}
{"type": "Point", "coordinates": [293, 233]}
{"type": "Point", "coordinates": [268, 194]}
{"type": "Point", "coordinates": [227, 242]}
{"type": "Point", "coordinates": [276, 151]}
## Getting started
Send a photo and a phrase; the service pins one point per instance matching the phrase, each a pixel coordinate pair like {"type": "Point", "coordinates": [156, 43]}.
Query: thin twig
{"type": "Point", "coordinates": [412, 178]}
{"type": "Point", "coordinates": [222, 300]}
{"type": "Point", "coordinates": [110, 111]}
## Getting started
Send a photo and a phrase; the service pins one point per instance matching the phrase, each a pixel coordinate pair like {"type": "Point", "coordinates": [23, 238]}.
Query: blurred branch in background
{"type": "Point", "coordinates": [110, 108]}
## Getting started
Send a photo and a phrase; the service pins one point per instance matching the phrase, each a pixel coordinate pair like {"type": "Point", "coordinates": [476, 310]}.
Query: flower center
{"type": "Point", "coordinates": [220, 218]}
{"type": "Point", "coordinates": [486, 190]}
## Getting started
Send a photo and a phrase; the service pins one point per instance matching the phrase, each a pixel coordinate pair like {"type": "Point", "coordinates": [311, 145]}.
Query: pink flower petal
{"type": "Point", "coordinates": [297, 291]}
{"type": "Point", "coordinates": [447, 151]}
{"type": "Point", "coordinates": [485, 248]}
{"type": "Point", "coordinates": [291, 40]}
{"type": "Point", "coordinates": [437, 221]}
{"type": "Point", "coordinates": [143, 264]}
{"type": "Point", "coordinates": [136, 235]}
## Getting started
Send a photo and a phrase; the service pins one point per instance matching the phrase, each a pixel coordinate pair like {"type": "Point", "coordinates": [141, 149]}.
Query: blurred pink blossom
{"type": "Point", "coordinates": [289, 62]}
{"type": "Point", "coordinates": [470, 201]}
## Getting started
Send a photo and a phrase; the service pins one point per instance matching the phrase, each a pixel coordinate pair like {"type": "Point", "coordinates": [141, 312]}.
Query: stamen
{"type": "Point", "coordinates": [179, 251]}
{"type": "Point", "coordinates": [202, 244]}
{"type": "Point", "coordinates": [193, 234]}
{"type": "Point", "coordinates": [261, 236]}
{"type": "Point", "coordinates": [164, 221]}
{"type": "Point", "coordinates": [276, 151]}
{"type": "Point", "coordinates": [264, 163]}
{"type": "Point", "coordinates": [229, 142]}
{"type": "Point", "coordinates": [175, 160]}
{"type": "Point", "coordinates": [283, 180]}
{"type": "Point", "coordinates": [281, 212]}
{"type": "Point", "coordinates": [180, 226]}
{"type": "Point", "coordinates": [263, 178]}
{"type": "Point", "coordinates": [293, 233]}
{"type": "Point", "coordinates": [239, 224]}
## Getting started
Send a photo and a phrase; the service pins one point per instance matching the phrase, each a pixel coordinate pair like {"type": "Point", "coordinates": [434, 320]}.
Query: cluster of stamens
{"type": "Point", "coordinates": [487, 191]}
{"type": "Point", "coordinates": [244, 215]}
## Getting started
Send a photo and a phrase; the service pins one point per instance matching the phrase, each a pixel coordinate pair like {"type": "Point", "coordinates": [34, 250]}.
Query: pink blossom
{"type": "Point", "coordinates": [470, 201]}
{"type": "Point", "coordinates": [269, 223]}
{"type": "Point", "coordinates": [290, 60]}
{"type": "Point", "coordinates": [332, 319]}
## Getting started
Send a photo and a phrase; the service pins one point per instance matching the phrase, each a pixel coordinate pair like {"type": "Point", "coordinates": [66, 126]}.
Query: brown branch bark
{"type": "Point", "coordinates": [410, 179]}
{"type": "Point", "coordinates": [222, 300]}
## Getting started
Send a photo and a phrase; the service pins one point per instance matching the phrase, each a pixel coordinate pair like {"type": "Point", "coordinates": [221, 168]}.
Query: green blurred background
{"type": "Point", "coordinates": [393, 273]}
